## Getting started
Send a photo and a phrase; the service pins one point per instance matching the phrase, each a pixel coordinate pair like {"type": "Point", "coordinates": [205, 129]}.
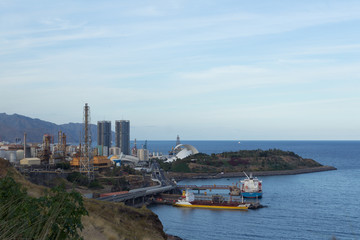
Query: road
{"type": "Point", "coordinates": [165, 185]}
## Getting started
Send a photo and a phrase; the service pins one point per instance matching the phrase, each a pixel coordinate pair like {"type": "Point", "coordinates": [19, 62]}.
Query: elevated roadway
{"type": "Point", "coordinates": [140, 195]}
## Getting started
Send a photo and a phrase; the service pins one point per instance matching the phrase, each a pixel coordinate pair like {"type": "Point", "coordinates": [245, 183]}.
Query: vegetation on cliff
{"type": "Point", "coordinates": [56, 215]}
{"type": "Point", "coordinates": [105, 220]}
{"type": "Point", "coordinates": [109, 220]}
{"type": "Point", "coordinates": [244, 160]}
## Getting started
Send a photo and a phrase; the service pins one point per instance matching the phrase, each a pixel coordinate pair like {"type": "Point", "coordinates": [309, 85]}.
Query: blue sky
{"type": "Point", "coordinates": [243, 70]}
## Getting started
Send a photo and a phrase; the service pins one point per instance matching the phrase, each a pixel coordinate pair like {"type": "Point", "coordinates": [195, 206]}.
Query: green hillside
{"type": "Point", "coordinates": [244, 160]}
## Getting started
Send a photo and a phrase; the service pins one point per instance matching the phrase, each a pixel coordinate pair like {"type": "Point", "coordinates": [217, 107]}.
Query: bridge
{"type": "Point", "coordinates": [138, 196]}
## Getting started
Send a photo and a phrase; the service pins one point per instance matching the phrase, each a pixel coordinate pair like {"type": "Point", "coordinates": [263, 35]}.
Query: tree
{"type": "Point", "coordinates": [56, 215]}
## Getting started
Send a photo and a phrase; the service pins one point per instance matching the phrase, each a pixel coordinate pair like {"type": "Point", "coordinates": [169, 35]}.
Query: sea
{"type": "Point", "coordinates": [322, 205]}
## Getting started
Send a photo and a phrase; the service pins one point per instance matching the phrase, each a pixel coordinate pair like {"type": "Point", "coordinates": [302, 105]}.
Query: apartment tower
{"type": "Point", "coordinates": [104, 136]}
{"type": "Point", "coordinates": [122, 136]}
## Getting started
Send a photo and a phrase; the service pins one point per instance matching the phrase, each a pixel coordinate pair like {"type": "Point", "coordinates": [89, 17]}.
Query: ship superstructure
{"type": "Point", "coordinates": [251, 187]}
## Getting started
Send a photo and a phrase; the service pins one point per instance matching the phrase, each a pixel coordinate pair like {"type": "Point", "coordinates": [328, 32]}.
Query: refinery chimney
{"type": "Point", "coordinates": [24, 144]}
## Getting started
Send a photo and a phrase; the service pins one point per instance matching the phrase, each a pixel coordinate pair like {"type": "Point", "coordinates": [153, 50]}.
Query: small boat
{"type": "Point", "coordinates": [216, 202]}
{"type": "Point", "coordinates": [251, 187]}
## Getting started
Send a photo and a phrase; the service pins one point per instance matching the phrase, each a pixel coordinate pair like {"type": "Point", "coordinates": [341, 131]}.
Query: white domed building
{"type": "Point", "coordinates": [183, 151]}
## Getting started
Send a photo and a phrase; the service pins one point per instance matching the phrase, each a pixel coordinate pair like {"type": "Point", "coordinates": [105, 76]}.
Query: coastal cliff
{"type": "Point", "coordinates": [105, 220]}
{"type": "Point", "coordinates": [116, 221]}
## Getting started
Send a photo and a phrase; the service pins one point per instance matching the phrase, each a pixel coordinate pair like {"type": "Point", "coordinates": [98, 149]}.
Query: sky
{"type": "Point", "coordinates": [204, 70]}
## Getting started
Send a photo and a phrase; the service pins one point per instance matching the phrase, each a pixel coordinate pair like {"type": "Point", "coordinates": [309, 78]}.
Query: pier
{"type": "Point", "coordinates": [203, 187]}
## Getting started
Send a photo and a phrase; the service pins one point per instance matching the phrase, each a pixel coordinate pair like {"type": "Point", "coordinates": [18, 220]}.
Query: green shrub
{"type": "Point", "coordinates": [180, 166]}
{"type": "Point", "coordinates": [63, 165]}
{"type": "Point", "coordinates": [57, 215]}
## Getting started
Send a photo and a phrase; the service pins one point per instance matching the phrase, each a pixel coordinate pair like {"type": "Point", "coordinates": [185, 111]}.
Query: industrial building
{"type": "Point", "coordinates": [30, 161]}
{"type": "Point", "coordinates": [122, 136]}
{"type": "Point", "coordinates": [143, 154]}
{"type": "Point", "coordinates": [114, 151]}
{"type": "Point", "coordinates": [98, 162]}
{"type": "Point", "coordinates": [104, 136]}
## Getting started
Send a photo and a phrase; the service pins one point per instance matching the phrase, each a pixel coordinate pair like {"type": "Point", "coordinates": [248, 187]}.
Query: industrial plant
{"type": "Point", "coordinates": [104, 169]}
{"type": "Point", "coordinates": [83, 157]}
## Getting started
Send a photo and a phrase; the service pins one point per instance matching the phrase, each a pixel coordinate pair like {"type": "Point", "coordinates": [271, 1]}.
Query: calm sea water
{"type": "Point", "coordinates": [307, 206]}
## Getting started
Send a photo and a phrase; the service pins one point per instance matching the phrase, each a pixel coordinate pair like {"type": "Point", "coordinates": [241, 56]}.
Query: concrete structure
{"type": "Point", "coordinates": [127, 159]}
{"type": "Point", "coordinates": [34, 151]}
{"type": "Point", "coordinates": [98, 162]}
{"type": "Point", "coordinates": [122, 136]}
{"type": "Point", "coordinates": [72, 149]}
{"type": "Point", "coordinates": [183, 151]}
{"type": "Point", "coordinates": [14, 156]}
{"type": "Point", "coordinates": [143, 154]}
{"type": "Point", "coordinates": [101, 162]}
{"type": "Point", "coordinates": [104, 135]}
{"type": "Point", "coordinates": [102, 151]}
{"type": "Point", "coordinates": [134, 150]}
{"type": "Point", "coordinates": [25, 156]}
{"type": "Point", "coordinates": [30, 161]}
{"type": "Point", "coordinates": [114, 151]}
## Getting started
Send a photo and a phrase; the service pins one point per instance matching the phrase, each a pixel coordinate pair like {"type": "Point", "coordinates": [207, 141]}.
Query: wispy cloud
{"type": "Point", "coordinates": [183, 31]}
{"type": "Point", "coordinates": [235, 63]}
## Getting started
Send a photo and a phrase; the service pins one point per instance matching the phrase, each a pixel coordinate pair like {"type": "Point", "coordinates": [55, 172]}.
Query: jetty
{"type": "Point", "coordinates": [203, 187]}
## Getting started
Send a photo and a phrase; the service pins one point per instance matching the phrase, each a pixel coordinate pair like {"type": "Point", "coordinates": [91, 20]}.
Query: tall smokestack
{"type": "Point", "coordinates": [24, 144]}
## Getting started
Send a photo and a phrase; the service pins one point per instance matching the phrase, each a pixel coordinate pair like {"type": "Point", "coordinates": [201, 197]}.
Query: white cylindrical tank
{"type": "Point", "coordinates": [19, 155]}
{"type": "Point", "coordinates": [12, 157]}
{"type": "Point", "coordinates": [2, 154]}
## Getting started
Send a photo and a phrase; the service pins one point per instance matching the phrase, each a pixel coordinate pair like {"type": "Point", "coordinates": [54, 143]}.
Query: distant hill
{"type": "Point", "coordinates": [14, 126]}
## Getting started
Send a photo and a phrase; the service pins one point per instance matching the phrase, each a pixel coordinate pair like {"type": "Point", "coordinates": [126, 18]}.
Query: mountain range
{"type": "Point", "coordinates": [13, 126]}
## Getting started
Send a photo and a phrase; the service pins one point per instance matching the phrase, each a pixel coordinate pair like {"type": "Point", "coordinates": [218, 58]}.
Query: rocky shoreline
{"type": "Point", "coordinates": [172, 237]}
{"type": "Point", "coordinates": [182, 176]}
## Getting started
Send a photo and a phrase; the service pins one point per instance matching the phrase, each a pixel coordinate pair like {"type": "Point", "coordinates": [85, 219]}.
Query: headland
{"type": "Point", "coordinates": [232, 164]}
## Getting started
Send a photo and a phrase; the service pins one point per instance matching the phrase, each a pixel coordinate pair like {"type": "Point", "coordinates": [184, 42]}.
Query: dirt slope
{"type": "Point", "coordinates": [106, 220]}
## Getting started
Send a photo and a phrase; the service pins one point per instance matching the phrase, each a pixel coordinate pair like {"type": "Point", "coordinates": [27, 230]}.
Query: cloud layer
{"type": "Point", "coordinates": [204, 70]}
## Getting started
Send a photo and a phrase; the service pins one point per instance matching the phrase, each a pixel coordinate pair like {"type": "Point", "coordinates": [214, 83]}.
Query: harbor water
{"type": "Point", "coordinates": [323, 205]}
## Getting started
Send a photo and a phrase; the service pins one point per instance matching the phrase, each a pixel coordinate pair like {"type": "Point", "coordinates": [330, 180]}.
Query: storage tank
{"type": "Point", "coordinates": [12, 157]}
{"type": "Point", "coordinates": [19, 155]}
{"type": "Point", "coordinates": [2, 153]}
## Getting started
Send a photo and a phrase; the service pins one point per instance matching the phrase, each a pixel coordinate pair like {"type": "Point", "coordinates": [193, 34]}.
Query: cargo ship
{"type": "Point", "coordinates": [251, 187]}
{"type": "Point", "coordinates": [216, 202]}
